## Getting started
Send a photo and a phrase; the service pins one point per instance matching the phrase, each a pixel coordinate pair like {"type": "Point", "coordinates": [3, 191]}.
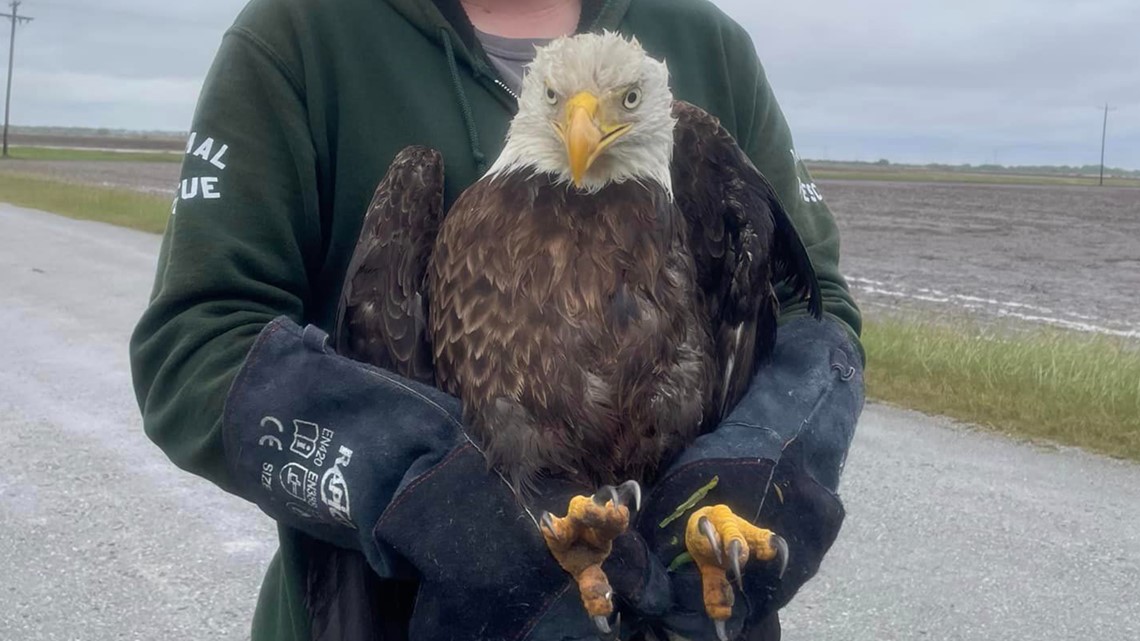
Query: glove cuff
{"type": "Point", "coordinates": [322, 443]}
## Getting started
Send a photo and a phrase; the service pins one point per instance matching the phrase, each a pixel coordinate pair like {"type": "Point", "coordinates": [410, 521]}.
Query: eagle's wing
{"type": "Point", "coordinates": [382, 315]}
{"type": "Point", "coordinates": [743, 244]}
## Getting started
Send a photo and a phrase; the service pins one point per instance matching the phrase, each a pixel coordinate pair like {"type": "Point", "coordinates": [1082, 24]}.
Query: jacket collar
{"type": "Point", "coordinates": [429, 16]}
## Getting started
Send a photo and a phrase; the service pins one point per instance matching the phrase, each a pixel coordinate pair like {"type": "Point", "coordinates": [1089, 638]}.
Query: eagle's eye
{"type": "Point", "coordinates": [551, 97]}
{"type": "Point", "coordinates": [632, 99]}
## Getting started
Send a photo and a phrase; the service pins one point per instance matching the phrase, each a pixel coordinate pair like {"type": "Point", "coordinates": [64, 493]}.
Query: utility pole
{"type": "Point", "coordinates": [1103, 138]}
{"type": "Point", "coordinates": [15, 18]}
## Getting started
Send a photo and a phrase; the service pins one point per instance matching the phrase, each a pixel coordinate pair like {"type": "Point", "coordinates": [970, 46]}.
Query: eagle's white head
{"type": "Point", "coordinates": [594, 109]}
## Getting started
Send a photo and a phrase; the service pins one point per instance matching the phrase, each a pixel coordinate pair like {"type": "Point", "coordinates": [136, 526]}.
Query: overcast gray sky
{"type": "Point", "coordinates": [1007, 81]}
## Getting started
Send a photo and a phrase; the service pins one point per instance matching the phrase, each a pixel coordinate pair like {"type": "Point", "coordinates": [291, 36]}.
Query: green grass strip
{"type": "Point", "coordinates": [103, 155]}
{"type": "Point", "coordinates": [122, 207]}
{"type": "Point", "coordinates": [1068, 387]}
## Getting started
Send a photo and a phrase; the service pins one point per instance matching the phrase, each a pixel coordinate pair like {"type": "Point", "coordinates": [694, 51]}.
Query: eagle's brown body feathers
{"type": "Point", "coordinates": [567, 324]}
{"type": "Point", "coordinates": [587, 334]}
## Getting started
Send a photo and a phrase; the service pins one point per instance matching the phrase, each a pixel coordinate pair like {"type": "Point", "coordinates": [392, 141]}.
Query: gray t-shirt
{"type": "Point", "coordinates": [510, 55]}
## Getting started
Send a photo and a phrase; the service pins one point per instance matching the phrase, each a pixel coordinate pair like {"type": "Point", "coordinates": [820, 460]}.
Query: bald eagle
{"type": "Point", "coordinates": [598, 299]}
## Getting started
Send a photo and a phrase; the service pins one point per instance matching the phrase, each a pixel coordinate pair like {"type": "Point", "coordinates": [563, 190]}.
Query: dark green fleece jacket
{"type": "Point", "coordinates": [306, 104]}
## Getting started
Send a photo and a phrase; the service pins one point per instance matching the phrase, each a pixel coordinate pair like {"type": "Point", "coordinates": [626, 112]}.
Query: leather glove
{"type": "Point", "coordinates": [485, 569]}
{"type": "Point", "coordinates": [367, 460]}
{"type": "Point", "coordinates": [778, 455]}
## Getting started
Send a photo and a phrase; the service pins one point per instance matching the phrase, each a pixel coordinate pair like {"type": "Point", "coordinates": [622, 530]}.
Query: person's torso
{"type": "Point", "coordinates": [375, 79]}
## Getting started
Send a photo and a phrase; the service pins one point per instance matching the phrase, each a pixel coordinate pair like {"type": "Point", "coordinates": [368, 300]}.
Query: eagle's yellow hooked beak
{"type": "Point", "coordinates": [584, 136]}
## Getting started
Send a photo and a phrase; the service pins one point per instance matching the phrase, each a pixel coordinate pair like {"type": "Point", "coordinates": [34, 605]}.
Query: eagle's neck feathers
{"type": "Point", "coordinates": [536, 156]}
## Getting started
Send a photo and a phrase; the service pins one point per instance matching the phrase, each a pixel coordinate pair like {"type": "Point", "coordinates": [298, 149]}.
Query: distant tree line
{"type": "Point", "coordinates": [1049, 170]}
{"type": "Point", "coordinates": [81, 132]}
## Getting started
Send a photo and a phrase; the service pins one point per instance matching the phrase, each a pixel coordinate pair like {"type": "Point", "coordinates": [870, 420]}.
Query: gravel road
{"type": "Point", "coordinates": [951, 534]}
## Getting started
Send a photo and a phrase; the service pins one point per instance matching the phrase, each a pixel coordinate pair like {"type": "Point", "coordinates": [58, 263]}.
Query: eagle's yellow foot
{"type": "Point", "coordinates": [582, 540]}
{"type": "Point", "coordinates": [721, 542]}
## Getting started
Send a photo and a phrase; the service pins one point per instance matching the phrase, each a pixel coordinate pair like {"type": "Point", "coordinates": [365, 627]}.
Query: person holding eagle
{"type": "Point", "coordinates": [595, 380]}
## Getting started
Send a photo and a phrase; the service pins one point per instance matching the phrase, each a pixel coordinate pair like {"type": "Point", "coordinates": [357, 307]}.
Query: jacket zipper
{"type": "Point", "coordinates": [484, 72]}
{"type": "Point", "coordinates": [502, 85]}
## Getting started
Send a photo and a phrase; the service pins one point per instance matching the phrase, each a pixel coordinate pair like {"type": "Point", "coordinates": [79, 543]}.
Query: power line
{"type": "Point", "coordinates": [1103, 139]}
{"type": "Point", "coordinates": [15, 19]}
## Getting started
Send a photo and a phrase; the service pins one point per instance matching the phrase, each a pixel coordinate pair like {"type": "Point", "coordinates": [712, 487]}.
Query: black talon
{"type": "Point", "coordinates": [721, 629]}
{"type": "Point", "coordinates": [706, 528]}
{"type": "Point", "coordinates": [782, 553]}
{"type": "Point", "coordinates": [734, 562]}
{"type": "Point", "coordinates": [605, 630]}
{"type": "Point", "coordinates": [633, 490]}
{"type": "Point", "coordinates": [547, 521]}
{"type": "Point", "coordinates": [614, 498]}
{"type": "Point", "coordinates": [606, 494]}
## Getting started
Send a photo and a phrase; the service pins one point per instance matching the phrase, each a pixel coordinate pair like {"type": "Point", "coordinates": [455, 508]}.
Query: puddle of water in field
{"type": "Point", "coordinates": [870, 289]}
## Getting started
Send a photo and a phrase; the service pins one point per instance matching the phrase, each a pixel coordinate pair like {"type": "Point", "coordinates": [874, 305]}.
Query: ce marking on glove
{"type": "Point", "coordinates": [269, 440]}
